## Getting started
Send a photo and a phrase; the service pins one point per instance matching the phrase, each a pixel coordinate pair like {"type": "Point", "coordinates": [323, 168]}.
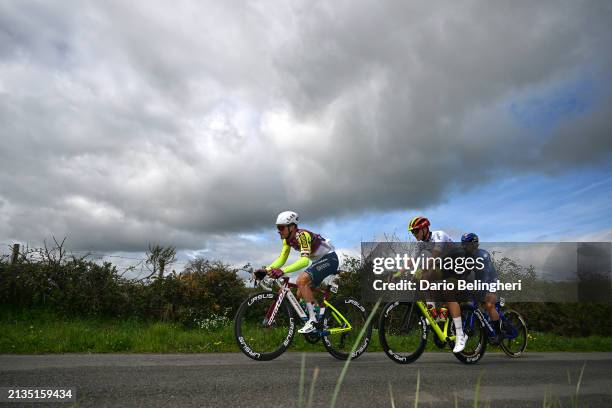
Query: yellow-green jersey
{"type": "Point", "coordinates": [311, 246]}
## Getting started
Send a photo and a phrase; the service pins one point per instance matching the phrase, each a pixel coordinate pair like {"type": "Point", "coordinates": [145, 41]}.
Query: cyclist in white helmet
{"type": "Point", "coordinates": [312, 247]}
{"type": "Point", "coordinates": [419, 227]}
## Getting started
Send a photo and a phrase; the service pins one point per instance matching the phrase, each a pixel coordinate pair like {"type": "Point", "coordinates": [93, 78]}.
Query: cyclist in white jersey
{"type": "Point", "coordinates": [419, 227]}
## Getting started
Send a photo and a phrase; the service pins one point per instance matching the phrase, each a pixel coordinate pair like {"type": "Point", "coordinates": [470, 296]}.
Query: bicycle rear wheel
{"type": "Point", "coordinates": [513, 340]}
{"type": "Point", "coordinates": [256, 337]}
{"type": "Point", "coordinates": [402, 331]}
{"type": "Point", "coordinates": [343, 335]}
{"type": "Point", "coordinates": [477, 336]}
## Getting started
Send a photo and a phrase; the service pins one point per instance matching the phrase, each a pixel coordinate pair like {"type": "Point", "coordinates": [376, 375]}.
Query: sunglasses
{"type": "Point", "coordinates": [281, 227]}
{"type": "Point", "coordinates": [415, 231]}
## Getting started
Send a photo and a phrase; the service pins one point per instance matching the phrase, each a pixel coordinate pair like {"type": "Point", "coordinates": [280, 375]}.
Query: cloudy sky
{"type": "Point", "coordinates": [194, 123]}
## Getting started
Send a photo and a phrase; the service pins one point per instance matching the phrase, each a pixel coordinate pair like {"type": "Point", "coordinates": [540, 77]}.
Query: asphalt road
{"type": "Point", "coordinates": [212, 380]}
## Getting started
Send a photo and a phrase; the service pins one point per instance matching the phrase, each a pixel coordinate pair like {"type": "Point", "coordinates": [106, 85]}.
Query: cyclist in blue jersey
{"type": "Point", "coordinates": [317, 255]}
{"type": "Point", "coordinates": [488, 274]}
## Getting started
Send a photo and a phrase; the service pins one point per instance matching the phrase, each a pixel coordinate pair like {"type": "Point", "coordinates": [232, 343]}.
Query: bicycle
{"type": "Point", "coordinates": [265, 322]}
{"type": "Point", "coordinates": [513, 339]}
{"type": "Point", "coordinates": [403, 330]}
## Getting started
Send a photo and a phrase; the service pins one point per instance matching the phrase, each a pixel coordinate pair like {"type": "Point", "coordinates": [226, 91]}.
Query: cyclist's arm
{"type": "Point", "coordinates": [432, 273]}
{"type": "Point", "coordinates": [491, 265]}
{"type": "Point", "coordinates": [488, 273]}
{"type": "Point", "coordinates": [436, 251]}
{"type": "Point", "coordinates": [305, 241]}
{"type": "Point", "coordinates": [403, 271]}
{"type": "Point", "coordinates": [297, 265]}
{"type": "Point", "coordinates": [282, 258]}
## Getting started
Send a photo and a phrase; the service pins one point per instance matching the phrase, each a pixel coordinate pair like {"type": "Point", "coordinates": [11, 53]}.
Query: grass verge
{"type": "Point", "coordinates": [43, 332]}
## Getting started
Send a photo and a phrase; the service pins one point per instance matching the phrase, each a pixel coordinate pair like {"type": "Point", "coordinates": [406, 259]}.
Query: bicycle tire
{"type": "Point", "coordinates": [254, 338]}
{"type": "Point", "coordinates": [477, 337]}
{"type": "Point", "coordinates": [340, 345]}
{"type": "Point", "coordinates": [402, 331]}
{"type": "Point", "coordinates": [506, 342]}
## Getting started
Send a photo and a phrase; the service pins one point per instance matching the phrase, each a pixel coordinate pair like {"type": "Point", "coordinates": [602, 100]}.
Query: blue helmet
{"type": "Point", "coordinates": [469, 237]}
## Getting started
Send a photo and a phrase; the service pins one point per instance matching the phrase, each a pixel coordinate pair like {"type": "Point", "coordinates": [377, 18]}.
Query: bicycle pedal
{"type": "Point", "coordinates": [319, 326]}
{"type": "Point", "coordinates": [494, 341]}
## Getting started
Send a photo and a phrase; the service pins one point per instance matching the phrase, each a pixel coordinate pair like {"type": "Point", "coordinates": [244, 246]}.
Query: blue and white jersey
{"type": "Point", "coordinates": [488, 273]}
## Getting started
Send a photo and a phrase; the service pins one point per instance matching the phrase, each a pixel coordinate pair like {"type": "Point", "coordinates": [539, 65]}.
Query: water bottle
{"type": "Point", "coordinates": [431, 307]}
{"type": "Point", "coordinates": [303, 306]}
{"type": "Point", "coordinates": [317, 308]}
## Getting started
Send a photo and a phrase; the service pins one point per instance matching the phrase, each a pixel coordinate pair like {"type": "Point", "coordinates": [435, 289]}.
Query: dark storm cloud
{"type": "Point", "coordinates": [125, 123]}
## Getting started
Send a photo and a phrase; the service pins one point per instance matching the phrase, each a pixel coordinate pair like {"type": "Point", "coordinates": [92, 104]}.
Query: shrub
{"type": "Point", "coordinates": [82, 287]}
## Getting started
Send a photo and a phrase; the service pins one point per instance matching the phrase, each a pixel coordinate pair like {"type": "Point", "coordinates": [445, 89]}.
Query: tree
{"type": "Point", "coordinates": [158, 257]}
{"type": "Point", "coordinates": [201, 265]}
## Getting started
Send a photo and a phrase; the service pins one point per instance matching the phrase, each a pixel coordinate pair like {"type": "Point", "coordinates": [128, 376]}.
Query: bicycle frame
{"type": "Point", "coordinates": [285, 291]}
{"type": "Point", "coordinates": [486, 319]}
{"type": "Point", "coordinates": [441, 333]}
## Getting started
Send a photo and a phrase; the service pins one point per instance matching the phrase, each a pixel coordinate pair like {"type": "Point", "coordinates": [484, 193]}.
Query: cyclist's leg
{"type": "Point", "coordinates": [489, 276]}
{"type": "Point", "coordinates": [322, 268]}
{"type": "Point", "coordinates": [489, 302]}
{"type": "Point", "coordinates": [450, 297]}
{"type": "Point", "coordinates": [298, 294]}
{"type": "Point", "coordinates": [304, 282]}
{"type": "Point", "coordinates": [460, 337]}
{"type": "Point", "coordinates": [312, 277]}
{"type": "Point", "coordinates": [455, 311]}
{"type": "Point", "coordinates": [304, 291]}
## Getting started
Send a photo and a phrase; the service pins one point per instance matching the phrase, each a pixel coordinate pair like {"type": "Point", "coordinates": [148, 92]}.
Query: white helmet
{"type": "Point", "coordinates": [287, 217]}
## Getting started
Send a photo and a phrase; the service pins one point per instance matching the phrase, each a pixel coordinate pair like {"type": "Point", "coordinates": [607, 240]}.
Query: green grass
{"type": "Point", "coordinates": [44, 332]}
{"type": "Point", "coordinates": [538, 341]}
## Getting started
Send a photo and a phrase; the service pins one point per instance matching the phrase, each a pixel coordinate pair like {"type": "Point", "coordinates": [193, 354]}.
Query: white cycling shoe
{"type": "Point", "coordinates": [309, 327]}
{"type": "Point", "coordinates": [460, 343]}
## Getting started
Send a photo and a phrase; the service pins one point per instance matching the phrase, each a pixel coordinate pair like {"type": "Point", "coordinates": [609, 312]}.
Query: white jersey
{"type": "Point", "coordinates": [440, 236]}
{"type": "Point", "coordinates": [438, 239]}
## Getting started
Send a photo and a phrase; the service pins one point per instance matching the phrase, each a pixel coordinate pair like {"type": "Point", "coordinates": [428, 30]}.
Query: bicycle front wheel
{"type": "Point", "coordinates": [344, 325]}
{"type": "Point", "coordinates": [513, 340]}
{"type": "Point", "coordinates": [402, 331]}
{"type": "Point", "coordinates": [261, 332]}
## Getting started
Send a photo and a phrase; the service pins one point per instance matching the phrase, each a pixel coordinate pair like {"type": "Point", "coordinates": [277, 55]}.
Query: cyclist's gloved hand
{"type": "Point", "coordinates": [276, 273]}
{"type": "Point", "coordinates": [261, 273]}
